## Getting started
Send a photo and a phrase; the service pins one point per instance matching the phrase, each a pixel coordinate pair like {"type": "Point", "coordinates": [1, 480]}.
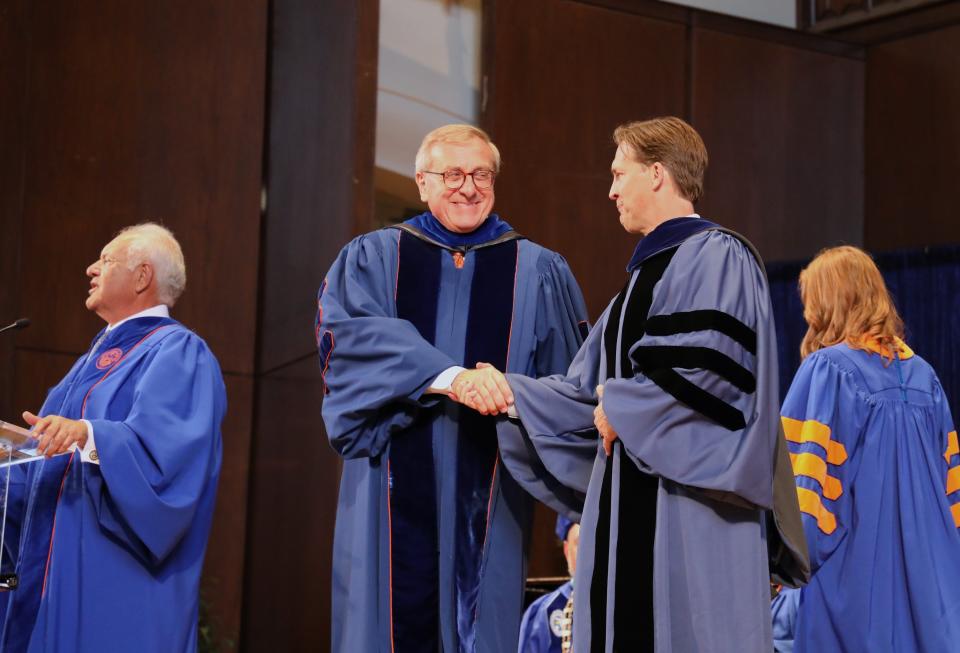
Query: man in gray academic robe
{"type": "Point", "coordinates": [689, 509]}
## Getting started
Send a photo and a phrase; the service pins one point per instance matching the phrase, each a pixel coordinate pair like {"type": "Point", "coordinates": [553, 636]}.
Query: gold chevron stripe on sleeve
{"type": "Point", "coordinates": [813, 466]}
{"type": "Point", "coordinates": [953, 479]}
{"type": "Point", "coordinates": [810, 503]}
{"type": "Point", "coordinates": [953, 446]}
{"type": "Point", "coordinates": [813, 431]}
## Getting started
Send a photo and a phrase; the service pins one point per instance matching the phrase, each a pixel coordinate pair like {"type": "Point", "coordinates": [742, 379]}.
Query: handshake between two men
{"type": "Point", "coordinates": [487, 391]}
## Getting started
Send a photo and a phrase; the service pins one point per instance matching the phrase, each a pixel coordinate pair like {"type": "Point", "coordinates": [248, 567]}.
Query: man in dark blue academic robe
{"type": "Point", "coordinates": [691, 492]}
{"type": "Point", "coordinates": [430, 532]}
{"type": "Point", "coordinates": [115, 522]}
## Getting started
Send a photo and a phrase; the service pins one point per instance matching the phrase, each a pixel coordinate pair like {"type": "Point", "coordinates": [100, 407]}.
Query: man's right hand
{"type": "Point", "coordinates": [484, 389]}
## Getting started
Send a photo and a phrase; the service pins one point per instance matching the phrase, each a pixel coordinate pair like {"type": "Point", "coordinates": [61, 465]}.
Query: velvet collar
{"type": "Point", "coordinates": [491, 228]}
{"type": "Point", "coordinates": [667, 234]}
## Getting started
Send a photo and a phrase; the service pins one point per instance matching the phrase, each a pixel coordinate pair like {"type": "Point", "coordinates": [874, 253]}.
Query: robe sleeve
{"type": "Point", "coordinates": [551, 448]}
{"type": "Point", "coordinates": [824, 416]}
{"type": "Point", "coordinates": [561, 324]}
{"type": "Point", "coordinates": [157, 461]}
{"type": "Point", "coordinates": [701, 408]}
{"type": "Point", "coordinates": [951, 456]}
{"type": "Point", "coordinates": [376, 367]}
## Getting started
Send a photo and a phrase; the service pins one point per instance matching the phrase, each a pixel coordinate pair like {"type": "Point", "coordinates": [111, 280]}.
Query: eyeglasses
{"type": "Point", "coordinates": [455, 179]}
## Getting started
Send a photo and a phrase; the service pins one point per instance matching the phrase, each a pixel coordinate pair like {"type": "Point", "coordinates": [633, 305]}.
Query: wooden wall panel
{"type": "Point", "coordinates": [223, 566]}
{"type": "Point", "coordinates": [320, 159]}
{"type": "Point", "coordinates": [14, 40]}
{"type": "Point", "coordinates": [555, 93]}
{"type": "Point", "coordinates": [163, 121]}
{"type": "Point", "coordinates": [913, 141]}
{"type": "Point", "coordinates": [292, 513]}
{"type": "Point", "coordinates": [784, 129]}
{"type": "Point", "coordinates": [319, 182]}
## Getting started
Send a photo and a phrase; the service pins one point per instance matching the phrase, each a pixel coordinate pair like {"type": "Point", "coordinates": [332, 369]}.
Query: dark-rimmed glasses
{"type": "Point", "coordinates": [456, 178]}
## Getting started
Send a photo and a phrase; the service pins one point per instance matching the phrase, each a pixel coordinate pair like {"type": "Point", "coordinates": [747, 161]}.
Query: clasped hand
{"type": "Point", "coordinates": [484, 389]}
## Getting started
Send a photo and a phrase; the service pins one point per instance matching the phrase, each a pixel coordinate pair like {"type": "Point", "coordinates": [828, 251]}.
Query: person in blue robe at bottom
{"type": "Point", "coordinates": [877, 468]}
{"type": "Point", "coordinates": [548, 622]}
{"type": "Point", "coordinates": [429, 540]}
{"type": "Point", "coordinates": [114, 531]}
{"type": "Point", "coordinates": [690, 505]}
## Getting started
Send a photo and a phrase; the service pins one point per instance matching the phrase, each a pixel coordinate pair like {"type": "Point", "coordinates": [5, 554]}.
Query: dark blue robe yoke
{"type": "Point", "coordinates": [377, 366]}
{"type": "Point", "coordinates": [122, 569]}
{"type": "Point", "coordinates": [696, 414]}
{"type": "Point", "coordinates": [878, 475]}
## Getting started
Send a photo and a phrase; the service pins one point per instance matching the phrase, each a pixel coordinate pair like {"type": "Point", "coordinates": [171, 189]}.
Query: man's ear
{"type": "Point", "coordinates": [422, 185]}
{"type": "Point", "coordinates": [658, 175]}
{"type": "Point", "coordinates": [144, 278]}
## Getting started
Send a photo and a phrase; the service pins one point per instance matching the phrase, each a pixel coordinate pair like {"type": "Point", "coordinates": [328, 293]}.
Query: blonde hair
{"type": "Point", "coordinates": [151, 243]}
{"type": "Point", "coordinates": [846, 300]}
{"type": "Point", "coordinates": [453, 134]}
{"type": "Point", "coordinates": [673, 143]}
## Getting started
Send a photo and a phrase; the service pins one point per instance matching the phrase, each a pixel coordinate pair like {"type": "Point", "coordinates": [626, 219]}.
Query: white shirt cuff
{"type": "Point", "coordinates": [441, 384]}
{"type": "Point", "coordinates": [88, 454]}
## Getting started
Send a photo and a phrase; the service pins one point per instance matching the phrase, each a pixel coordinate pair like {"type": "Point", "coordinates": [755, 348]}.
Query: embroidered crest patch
{"type": "Point", "coordinates": [108, 358]}
{"type": "Point", "coordinates": [556, 623]}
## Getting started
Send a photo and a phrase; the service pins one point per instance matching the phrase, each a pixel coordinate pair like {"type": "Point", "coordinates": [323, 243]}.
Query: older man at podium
{"type": "Point", "coordinates": [112, 540]}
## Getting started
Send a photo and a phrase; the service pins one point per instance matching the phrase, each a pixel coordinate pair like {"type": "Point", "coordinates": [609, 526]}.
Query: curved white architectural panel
{"type": "Point", "coordinates": [778, 12]}
{"type": "Point", "coordinates": [429, 74]}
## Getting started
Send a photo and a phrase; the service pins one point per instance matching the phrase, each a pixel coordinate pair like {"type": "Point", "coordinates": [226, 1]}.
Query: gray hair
{"type": "Point", "coordinates": [453, 134]}
{"type": "Point", "coordinates": [156, 245]}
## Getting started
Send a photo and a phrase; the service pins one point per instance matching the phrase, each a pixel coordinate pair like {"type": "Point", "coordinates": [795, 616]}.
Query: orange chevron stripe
{"type": "Point", "coordinates": [953, 479]}
{"type": "Point", "coordinates": [953, 446]}
{"type": "Point", "coordinates": [813, 431]}
{"type": "Point", "coordinates": [955, 509]}
{"type": "Point", "coordinates": [813, 466]}
{"type": "Point", "coordinates": [810, 503]}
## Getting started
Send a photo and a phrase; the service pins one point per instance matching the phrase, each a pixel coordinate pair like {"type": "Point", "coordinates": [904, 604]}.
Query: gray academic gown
{"type": "Point", "coordinates": [692, 393]}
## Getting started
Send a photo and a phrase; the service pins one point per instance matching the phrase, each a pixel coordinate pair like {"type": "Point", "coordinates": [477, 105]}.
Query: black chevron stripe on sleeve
{"type": "Point", "coordinates": [689, 321]}
{"type": "Point", "coordinates": [653, 358]}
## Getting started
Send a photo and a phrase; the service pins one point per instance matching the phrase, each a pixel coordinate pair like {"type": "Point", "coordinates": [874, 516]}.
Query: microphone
{"type": "Point", "coordinates": [22, 323]}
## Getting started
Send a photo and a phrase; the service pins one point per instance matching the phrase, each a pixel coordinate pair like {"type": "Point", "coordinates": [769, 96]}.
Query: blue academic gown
{"type": "Point", "coordinates": [878, 481]}
{"type": "Point", "coordinates": [430, 533]}
{"type": "Point", "coordinates": [678, 524]}
{"type": "Point", "coordinates": [541, 630]}
{"type": "Point", "coordinates": [110, 555]}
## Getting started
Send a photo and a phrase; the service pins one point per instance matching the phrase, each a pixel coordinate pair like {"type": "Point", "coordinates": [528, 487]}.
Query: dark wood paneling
{"type": "Point", "coordinates": [224, 563]}
{"type": "Point", "coordinates": [320, 159]}
{"type": "Point", "coordinates": [913, 141]}
{"type": "Point", "coordinates": [295, 476]}
{"type": "Point", "coordinates": [545, 555]}
{"type": "Point", "coordinates": [783, 126]}
{"type": "Point", "coordinates": [144, 111]}
{"type": "Point", "coordinates": [552, 105]}
{"type": "Point", "coordinates": [37, 372]}
{"type": "Point", "coordinates": [14, 48]}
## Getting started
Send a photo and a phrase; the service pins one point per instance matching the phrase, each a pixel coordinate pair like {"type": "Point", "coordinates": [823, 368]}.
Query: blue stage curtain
{"type": "Point", "coordinates": [926, 288]}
